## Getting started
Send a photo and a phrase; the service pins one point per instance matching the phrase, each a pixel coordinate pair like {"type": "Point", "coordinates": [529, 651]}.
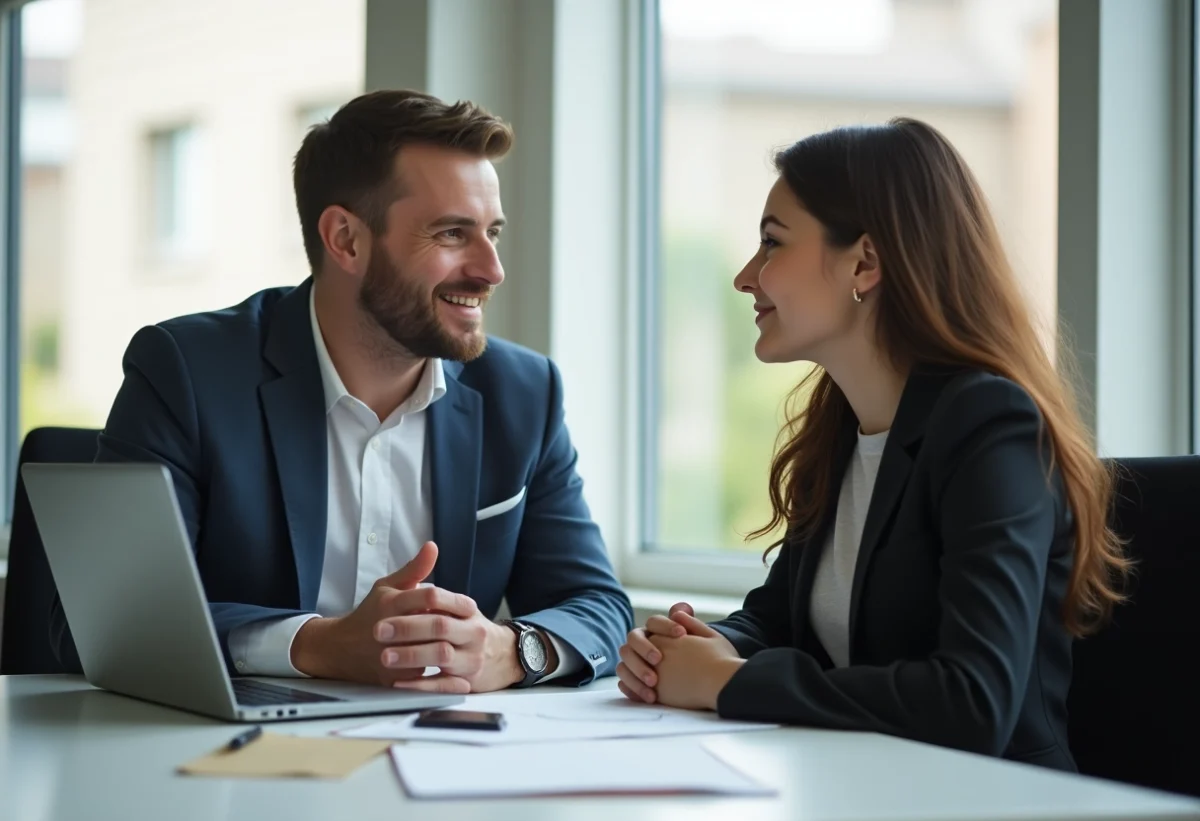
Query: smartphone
{"type": "Point", "coordinates": [460, 720]}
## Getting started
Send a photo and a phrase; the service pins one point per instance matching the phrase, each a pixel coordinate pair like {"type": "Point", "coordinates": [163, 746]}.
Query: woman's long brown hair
{"type": "Point", "coordinates": [947, 297]}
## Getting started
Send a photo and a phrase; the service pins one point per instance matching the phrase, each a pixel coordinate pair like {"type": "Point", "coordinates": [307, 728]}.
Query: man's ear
{"type": "Point", "coordinates": [346, 240]}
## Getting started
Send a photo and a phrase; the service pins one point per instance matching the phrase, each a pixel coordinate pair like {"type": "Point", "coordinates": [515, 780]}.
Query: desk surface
{"type": "Point", "coordinates": [68, 751]}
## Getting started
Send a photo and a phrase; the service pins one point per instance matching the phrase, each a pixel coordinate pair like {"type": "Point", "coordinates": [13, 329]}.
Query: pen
{"type": "Point", "coordinates": [245, 738]}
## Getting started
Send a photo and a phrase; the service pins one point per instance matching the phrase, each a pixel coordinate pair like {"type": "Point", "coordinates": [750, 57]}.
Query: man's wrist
{"type": "Point", "coordinates": [513, 654]}
{"type": "Point", "coordinates": [306, 654]}
{"type": "Point", "coordinates": [507, 659]}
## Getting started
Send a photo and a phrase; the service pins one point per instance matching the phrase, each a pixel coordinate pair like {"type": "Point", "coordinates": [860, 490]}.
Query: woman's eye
{"type": "Point", "coordinates": [767, 243]}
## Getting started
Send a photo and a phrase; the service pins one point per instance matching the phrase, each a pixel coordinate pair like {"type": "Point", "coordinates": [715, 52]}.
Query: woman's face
{"type": "Point", "coordinates": [802, 286]}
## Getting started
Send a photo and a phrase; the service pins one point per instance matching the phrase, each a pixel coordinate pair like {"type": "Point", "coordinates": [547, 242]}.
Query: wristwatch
{"type": "Point", "coordinates": [531, 652]}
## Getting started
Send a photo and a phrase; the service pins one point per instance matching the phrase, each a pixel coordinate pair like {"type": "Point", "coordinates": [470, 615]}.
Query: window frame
{"type": "Point", "coordinates": [10, 251]}
{"type": "Point", "coordinates": [1190, 95]}
{"type": "Point", "coordinates": [726, 572]}
{"type": "Point", "coordinates": [639, 564]}
{"type": "Point", "coordinates": [643, 563]}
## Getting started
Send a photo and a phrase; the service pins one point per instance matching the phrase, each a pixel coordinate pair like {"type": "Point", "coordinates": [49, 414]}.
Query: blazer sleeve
{"type": "Point", "coordinates": [562, 580]}
{"type": "Point", "coordinates": [996, 510]}
{"type": "Point", "coordinates": [764, 618]}
{"type": "Point", "coordinates": [154, 419]}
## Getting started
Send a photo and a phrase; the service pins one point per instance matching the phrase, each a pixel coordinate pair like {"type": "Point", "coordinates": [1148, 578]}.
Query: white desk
{"type": "Point", "coordinates": [68, 751]}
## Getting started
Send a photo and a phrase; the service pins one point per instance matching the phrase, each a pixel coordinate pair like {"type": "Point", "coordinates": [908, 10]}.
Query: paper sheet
{"type": "Point", "coordinates": [569, 768]}
{"type": "Point", "coordinates": [274, 755]}
{"type": "Point", "coordinates": [572, 716]}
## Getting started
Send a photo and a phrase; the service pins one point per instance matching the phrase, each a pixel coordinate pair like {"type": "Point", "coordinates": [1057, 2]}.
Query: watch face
{"type": "Point", "coordinates": [534, 651]}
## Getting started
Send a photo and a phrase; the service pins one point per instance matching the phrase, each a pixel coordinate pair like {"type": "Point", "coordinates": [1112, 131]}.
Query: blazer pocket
{"type": "Point", "coordinates": [500, 507]}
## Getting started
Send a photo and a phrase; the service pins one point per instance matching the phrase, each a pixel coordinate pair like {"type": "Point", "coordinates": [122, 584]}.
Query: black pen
{"type": "Point", "coordinates": [242, 740]}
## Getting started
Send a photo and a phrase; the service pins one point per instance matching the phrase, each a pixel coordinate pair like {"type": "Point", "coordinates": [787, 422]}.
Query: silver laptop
{"type": "Point", "coordinates": [127, 579]}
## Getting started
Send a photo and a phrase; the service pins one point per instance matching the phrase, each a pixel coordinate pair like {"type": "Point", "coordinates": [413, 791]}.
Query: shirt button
{"type": "Point", "coordinates": [374, 444]}
{"type": "Point", "coordinates": [372, 538]}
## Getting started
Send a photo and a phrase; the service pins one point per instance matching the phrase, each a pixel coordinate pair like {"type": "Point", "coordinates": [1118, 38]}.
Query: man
{"type": "Point", "coordinates": [363, 474]}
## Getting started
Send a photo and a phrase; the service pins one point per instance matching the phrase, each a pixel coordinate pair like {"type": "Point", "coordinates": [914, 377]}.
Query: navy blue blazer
{"type": "Point", "coordinates": [232, 403]}
{"type": "Point", "coordinates": [956, 612]}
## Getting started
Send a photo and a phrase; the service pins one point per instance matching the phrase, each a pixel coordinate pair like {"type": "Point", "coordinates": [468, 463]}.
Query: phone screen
{"type": "Point", "coordinates": [460, 720]}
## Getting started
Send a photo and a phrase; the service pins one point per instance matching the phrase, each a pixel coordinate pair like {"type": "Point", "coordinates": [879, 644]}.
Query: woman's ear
{"type": "Point", "coordinates": [867, 272]}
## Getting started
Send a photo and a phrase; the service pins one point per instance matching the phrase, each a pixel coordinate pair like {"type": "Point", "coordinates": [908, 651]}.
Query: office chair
{"type": "Point", "coordinates": [1134, 704]}
{"type": "Point", "coordinates": [29, 591]}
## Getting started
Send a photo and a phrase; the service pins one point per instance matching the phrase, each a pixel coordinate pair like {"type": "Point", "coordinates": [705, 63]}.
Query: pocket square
{"type": "Point", "coordinates": [500, 507]}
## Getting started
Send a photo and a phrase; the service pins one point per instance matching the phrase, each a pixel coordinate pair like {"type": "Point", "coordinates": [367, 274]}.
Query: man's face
{"type": "Point", "coordinates": [432, 271]}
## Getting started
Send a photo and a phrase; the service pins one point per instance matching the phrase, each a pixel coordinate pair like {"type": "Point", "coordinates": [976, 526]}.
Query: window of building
{"type": "Point", "coordinates": [179, 183]}
{"type": "Point", "coordinates": [147, 194]}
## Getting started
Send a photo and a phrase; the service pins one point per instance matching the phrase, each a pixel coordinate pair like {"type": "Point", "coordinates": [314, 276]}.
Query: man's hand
{"type": "Point", "coordinates": [467, 648]}
{"type": "Point", "coordinates": [399, 629]}
{"type": "Point", "coordinates": [345, 647]}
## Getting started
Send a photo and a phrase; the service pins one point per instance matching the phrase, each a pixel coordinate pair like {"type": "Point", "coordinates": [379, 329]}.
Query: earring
{"type": "Point", "coordinates": [857, 298]}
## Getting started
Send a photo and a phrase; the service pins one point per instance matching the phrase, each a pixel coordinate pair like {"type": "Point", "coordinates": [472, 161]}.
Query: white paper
{"type": "Point", "coordinates": [572, 716]}
{"type": "Point", "coordinates": [569, 768]}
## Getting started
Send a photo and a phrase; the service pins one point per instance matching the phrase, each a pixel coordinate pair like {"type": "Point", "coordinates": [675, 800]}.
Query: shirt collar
{"type": "Point", "coordinates": [430, 388]}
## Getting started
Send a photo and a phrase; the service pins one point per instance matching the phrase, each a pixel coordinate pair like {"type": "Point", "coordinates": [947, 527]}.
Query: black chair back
{"type": "Point", "coordinates": [29, 591]}
{"type": "Point", "coordinates": [1134, 705]}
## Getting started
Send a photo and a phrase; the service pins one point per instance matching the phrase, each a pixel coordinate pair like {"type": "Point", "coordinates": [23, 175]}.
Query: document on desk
{"type": "Point", "coordinates": [570, 768]}
{"type": "Point", "coordinates": [573, 716]}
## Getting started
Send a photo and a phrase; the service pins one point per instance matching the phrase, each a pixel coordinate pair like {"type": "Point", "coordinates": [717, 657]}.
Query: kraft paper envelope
{"type": "Point", "coordinates": [275, 756]}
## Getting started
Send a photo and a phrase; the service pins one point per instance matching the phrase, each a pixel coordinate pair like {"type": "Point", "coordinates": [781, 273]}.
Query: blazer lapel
{"type": "Point", "coordinates": [455, 437]}
{"type": "Point", "coordinates": [810, 554]}
{"type": "Point", "coordinates": [908, 429]}
{"type": "Point", "coordinates": [889, 487]}
{"type": "Point", "coordinates": [294, 407]}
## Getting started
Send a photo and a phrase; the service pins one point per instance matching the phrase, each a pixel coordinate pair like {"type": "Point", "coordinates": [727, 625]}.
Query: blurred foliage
{"type": "Point", "coordinates": [42, 400]}
{"type": "Point", "coordinates": [715, 506]}
{"type": "Point", "coordinates": [43, 347]}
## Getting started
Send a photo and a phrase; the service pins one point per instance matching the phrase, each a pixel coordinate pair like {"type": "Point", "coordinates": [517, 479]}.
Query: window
{"type": "Point", "coordinates": [738, 80]}
{"type": "Point", "coordinates": [179, 202]}
{"type": "Point", "coordinates": [151, 172]}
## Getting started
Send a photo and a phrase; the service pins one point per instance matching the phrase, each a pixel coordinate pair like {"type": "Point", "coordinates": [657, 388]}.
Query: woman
{"type": "Point", "coordinates": [945, 511]}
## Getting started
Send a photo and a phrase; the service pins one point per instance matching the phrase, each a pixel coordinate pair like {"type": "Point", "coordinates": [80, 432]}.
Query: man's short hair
{"type": "Point", "coordinates": [350, 160]}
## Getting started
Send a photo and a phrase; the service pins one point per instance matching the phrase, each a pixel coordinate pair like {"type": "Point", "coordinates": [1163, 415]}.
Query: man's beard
{"type": "Point", "coordinates": [409, 314]}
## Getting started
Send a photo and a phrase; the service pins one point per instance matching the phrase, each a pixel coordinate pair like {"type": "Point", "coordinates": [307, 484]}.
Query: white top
{"type": "Point", "coordinates": [380, 511]}
{"type": "Point", "coordinates": [68, 752]}
{"type": "Point", "coordinates": [830, 604]}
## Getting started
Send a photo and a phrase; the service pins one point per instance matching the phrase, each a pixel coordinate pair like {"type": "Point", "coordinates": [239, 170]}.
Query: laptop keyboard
{"type": "Point", "coordinates": [252, 693]}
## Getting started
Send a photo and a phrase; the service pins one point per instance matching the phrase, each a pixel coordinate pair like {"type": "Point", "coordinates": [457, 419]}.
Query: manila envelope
{"type": "Point", "coordinates": [274, 756]}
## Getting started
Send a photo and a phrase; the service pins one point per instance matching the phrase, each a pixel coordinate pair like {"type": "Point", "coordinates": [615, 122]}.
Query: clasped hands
{"type": "Point", "coordinates": [401, 628]}
{"type": "Point", "coordinates": [676, 660]}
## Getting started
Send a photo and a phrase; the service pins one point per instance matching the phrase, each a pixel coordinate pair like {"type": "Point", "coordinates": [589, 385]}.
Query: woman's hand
{"type": "Point", "coordinates": [637, 677]}
{"type": "Point", "coordinates": [693, 668]}
{"type": "Point", "coordinates": [635, 673]}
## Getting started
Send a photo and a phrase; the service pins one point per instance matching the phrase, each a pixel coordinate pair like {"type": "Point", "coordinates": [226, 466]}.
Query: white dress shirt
{"type": "Point", "coordinates": [834, 580]}
{"type": "Point", "coordinates": [380, 512]}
